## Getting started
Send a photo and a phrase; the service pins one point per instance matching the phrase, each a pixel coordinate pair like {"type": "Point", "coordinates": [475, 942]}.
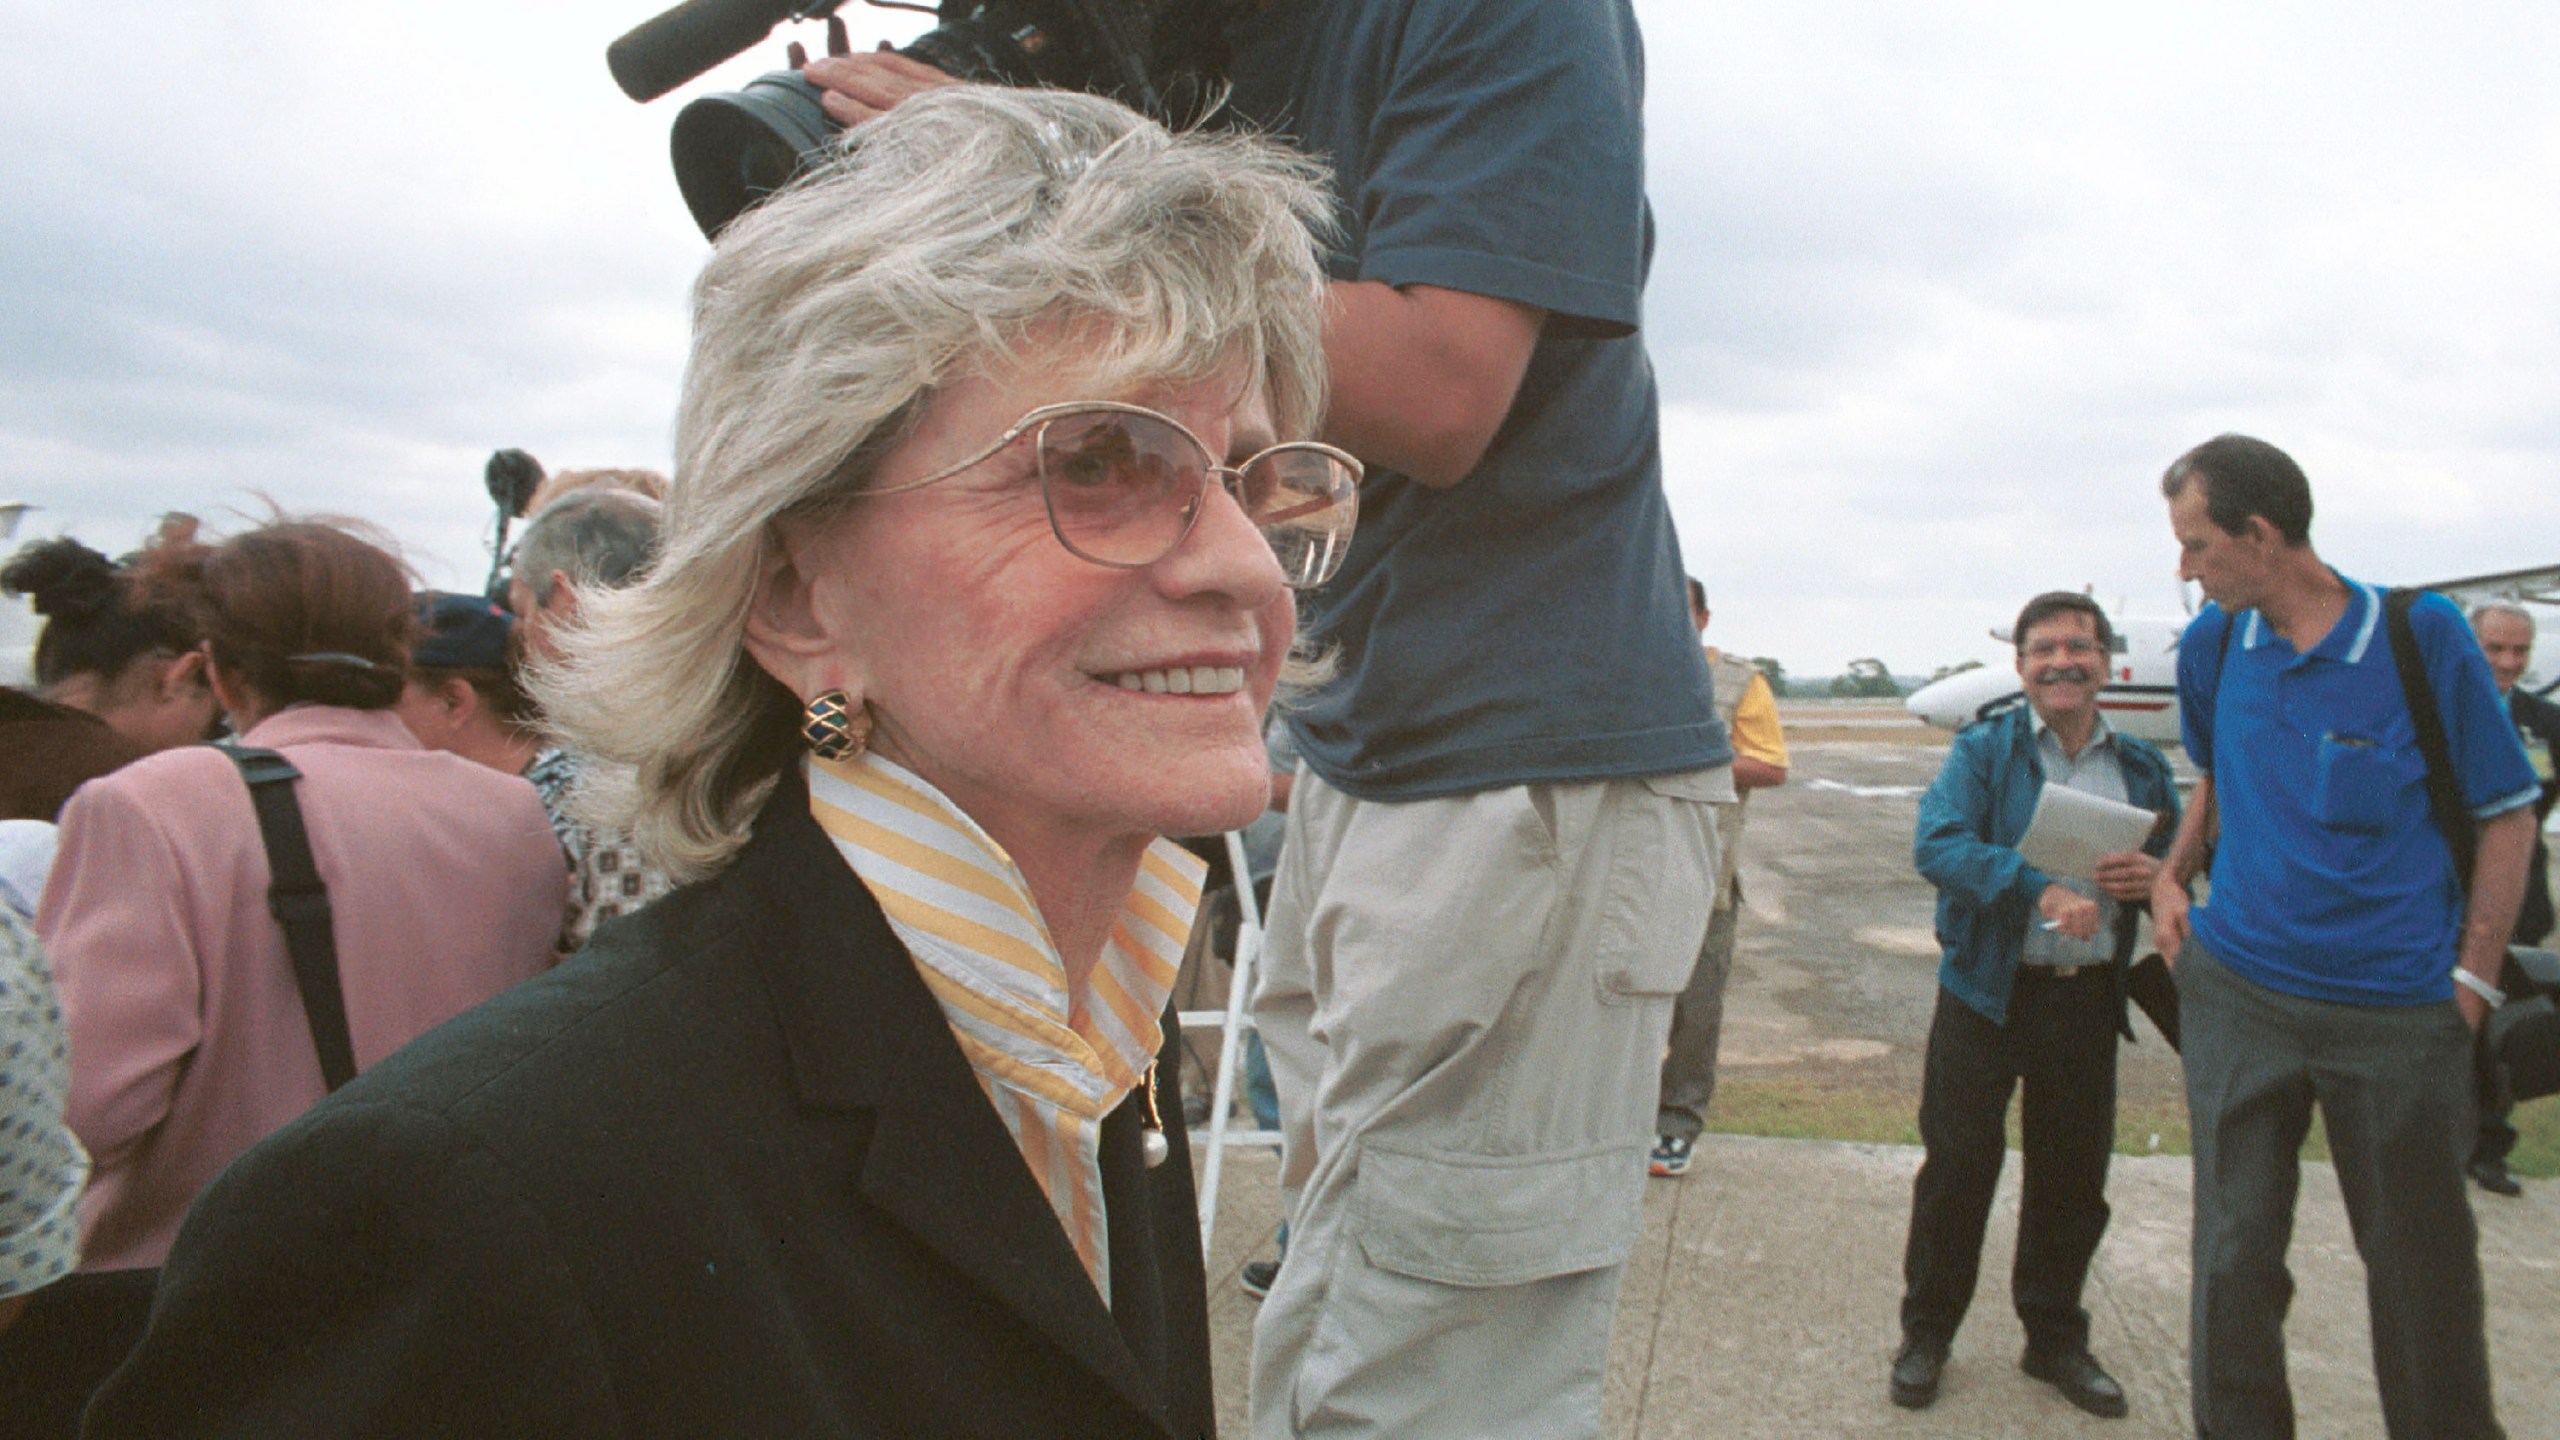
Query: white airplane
{"type": "Point", "coordinates": [2141, 696]}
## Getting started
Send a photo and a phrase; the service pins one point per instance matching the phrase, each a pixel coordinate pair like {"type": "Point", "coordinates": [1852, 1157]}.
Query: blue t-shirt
{"type": "Point", "coordinates": [2331, 880]}
{"type": "Point", "coordinates": [1526, 624]}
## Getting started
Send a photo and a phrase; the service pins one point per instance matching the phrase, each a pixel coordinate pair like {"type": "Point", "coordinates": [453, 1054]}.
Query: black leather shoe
{"type": "Point", "coordinates": [2492, 1176]}
{"type": "Point", "coordinates": [2080, 1380]}
{"type": "Point", "coordinates": [1916, 1367]}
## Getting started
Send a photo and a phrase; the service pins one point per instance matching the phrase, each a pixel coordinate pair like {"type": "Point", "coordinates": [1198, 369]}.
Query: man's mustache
{"type": "Point", "coordinates": [2064, 675]}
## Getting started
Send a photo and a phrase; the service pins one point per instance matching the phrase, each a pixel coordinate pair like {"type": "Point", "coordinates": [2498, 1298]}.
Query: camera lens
{"type": "Point", "coordinates": [733, 150]}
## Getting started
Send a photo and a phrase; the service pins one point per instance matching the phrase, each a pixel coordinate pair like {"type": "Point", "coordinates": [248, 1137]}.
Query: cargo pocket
{"type": "Point", "coordinates": [1465, 1251]}
{"type": "Point", "coordinates": [1475, 1221]}
{"type": "Point", "coordinates": [1661, 871]}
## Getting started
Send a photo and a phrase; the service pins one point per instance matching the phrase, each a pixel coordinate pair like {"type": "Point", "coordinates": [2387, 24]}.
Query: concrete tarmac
{"type": "Point", "coordinates": [1760, 1302]}
{"type": "Point", "coordinates": [1761, 1299]}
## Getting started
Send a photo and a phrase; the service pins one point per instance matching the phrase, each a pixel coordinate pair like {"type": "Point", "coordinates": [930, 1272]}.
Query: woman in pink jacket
{"type": "Point", "coordinates": [188, 1040]}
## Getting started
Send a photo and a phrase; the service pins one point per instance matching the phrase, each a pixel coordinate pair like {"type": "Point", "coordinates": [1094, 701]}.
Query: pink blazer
{"type": "Point", "coordinates": [188, 1042]}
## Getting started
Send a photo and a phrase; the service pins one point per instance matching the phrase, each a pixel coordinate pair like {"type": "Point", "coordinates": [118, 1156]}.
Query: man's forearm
{"type": "Point", "coordinates": [2185, 859]}
{"type": "Point", "coordinates": [1422, 377]}
{"type": "Point", "coordinates": [2497, 891]}
{"type": "Point", "coordinates": [1751, 774]}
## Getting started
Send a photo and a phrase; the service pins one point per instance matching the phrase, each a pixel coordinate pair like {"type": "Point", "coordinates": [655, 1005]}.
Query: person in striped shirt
{"type": "Point", "coordinates": [991, 500]}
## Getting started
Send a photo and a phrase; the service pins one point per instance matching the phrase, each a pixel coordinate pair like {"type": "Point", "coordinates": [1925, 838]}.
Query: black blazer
{"type": "Point", "coordinates": [724, 1174]}
{"type": "Point", "coordinates": [2533, 918]}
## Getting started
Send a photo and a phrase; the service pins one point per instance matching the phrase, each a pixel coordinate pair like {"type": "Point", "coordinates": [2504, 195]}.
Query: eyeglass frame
{"type": "Point", "coordinates": [1041, 415]}
{"type": "Point", "coordinates": [2068, 645]}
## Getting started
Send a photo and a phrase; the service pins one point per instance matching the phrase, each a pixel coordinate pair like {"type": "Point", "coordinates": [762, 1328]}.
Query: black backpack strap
{"type": "Point", "coordinates": [2444, 793]}
{"type": "Point", "coordinates": [2221, 661]}
{"type": "Point", "coordinates": [2212, 700]}
{"type": "Point", "coordinates": [300, 903]}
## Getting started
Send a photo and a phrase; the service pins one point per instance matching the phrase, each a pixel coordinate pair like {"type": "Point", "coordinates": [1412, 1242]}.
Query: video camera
{"type": "Point", "coordinates": [731, 150]}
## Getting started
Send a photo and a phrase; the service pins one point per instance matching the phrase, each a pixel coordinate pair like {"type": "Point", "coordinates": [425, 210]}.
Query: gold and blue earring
{"type": "Point", "coordinates": [835, 725]}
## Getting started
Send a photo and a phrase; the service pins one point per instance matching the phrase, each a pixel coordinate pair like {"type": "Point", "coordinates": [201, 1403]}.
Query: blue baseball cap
{"type": "Point", "coordinates": [461, 632]}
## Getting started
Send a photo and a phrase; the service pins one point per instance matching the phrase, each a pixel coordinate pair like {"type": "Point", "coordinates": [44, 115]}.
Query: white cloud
{"type": "Point", "coordinates": [334, 255]}
{"type": "Point", "coordinates": [1941, 292]}
{"type": "Point", "coordinates": [1938, 290]}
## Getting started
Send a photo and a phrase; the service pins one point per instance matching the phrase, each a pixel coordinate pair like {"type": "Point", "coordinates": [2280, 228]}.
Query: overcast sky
{"type": "Point", "coordinates": [1939, 291]}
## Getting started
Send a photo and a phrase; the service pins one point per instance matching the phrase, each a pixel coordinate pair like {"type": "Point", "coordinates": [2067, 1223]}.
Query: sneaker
{"type": "Point", "coordinates": [1256, 1277]}
{"type": "Point", "coordinates": [1671, 1156]}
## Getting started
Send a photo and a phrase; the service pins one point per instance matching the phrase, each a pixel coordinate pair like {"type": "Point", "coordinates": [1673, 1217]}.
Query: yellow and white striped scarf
{"type": "Point", "coordinates": [1052, 1063]}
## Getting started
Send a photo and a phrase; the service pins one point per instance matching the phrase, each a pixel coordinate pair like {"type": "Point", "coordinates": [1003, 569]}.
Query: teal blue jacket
{"type": "Point", "coordinates": [1971, 820]}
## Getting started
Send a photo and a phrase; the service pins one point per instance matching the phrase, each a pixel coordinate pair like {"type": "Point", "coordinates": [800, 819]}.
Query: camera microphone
{"type": "Point", "coordinates": [664, 51]}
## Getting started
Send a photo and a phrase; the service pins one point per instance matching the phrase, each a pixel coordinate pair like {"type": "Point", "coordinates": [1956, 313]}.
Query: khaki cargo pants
{"type": "Point", "coordinates": [1464, 1001]}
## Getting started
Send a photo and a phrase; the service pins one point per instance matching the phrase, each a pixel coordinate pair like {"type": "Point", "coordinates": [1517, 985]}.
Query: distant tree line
{"type": "Point", "coordinates": [1868, 679]}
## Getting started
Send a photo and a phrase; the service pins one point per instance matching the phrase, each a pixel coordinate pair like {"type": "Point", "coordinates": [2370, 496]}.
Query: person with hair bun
{"type": "Point", "coordinates": [116, 679]}
{"type": "Point", "coordinates": [445, 885]}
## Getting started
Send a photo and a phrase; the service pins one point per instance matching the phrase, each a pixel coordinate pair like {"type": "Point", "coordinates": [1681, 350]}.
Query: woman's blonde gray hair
{"type": "Point", "coordinates": [944, 238]}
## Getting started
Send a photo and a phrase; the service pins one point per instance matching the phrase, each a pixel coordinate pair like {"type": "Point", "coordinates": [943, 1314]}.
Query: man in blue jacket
{"type": "Point", "coordinates": [2031, 991]}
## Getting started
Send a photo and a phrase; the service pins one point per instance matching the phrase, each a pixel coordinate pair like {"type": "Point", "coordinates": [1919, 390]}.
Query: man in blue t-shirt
{"type": "Point", "coordinates": [1500, 852]}
{"type": "Point", "coordinates": [2336, 960]}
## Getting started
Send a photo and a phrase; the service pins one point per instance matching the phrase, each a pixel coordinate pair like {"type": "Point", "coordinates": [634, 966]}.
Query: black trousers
{"type": "Point", "coordinates": [2060, 1043]}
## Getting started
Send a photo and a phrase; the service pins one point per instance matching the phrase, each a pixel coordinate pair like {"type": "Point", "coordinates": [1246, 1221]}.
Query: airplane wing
{"type": "Point", "coordinates": [2537, 586]}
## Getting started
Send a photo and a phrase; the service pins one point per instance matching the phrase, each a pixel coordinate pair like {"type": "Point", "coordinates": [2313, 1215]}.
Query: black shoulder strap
{"type": "Point", "coordinates": [2444, 794]}
{"type": "Point", "coordinates": [300, 903]}
{"type": "Point", "coordinates": [2221, 662]}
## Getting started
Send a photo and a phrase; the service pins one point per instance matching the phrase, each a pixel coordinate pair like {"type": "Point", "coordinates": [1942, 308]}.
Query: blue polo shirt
{"type": "Point", "coordinates": [2331, 880]}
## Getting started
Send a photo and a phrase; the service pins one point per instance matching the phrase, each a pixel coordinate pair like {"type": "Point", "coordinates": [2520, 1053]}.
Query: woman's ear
{"type": "Point", "coordinates": [184, 677]}
{"type": "Point", "coordinates": [786, 634]}
{"type": "Point", "coordinates": [234, 697]}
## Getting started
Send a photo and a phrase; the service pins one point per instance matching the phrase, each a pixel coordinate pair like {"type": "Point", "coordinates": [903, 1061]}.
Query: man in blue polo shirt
{"type": "Point", "coordinates": [2336, 960]}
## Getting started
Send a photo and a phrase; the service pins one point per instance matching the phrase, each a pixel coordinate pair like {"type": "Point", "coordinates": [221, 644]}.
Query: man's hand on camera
{"type": "Point", "coordinates": [859, 87]}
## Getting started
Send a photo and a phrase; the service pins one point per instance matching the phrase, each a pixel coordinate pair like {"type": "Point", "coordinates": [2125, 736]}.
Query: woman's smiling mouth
{"type": "Point", "coordinates": [1182, 680]}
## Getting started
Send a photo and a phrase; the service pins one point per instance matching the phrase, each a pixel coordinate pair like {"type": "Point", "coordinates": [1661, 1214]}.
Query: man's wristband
{"type": "Point", "coordinates": [2477, 986]}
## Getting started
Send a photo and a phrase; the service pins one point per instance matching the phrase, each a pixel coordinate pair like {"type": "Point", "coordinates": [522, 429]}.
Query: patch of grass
{"type": "Point", "coordinates": [1797, 1107]}
{"type": "Point", "coordinates": [2537, 1150]}
{"type": "Point", "coordinates": [1793, 1108]}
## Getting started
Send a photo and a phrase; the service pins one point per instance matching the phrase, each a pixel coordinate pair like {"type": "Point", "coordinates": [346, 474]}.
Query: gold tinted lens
{"type": "Point", "coordinates": [1304, 498]}
{"type": "Point", "coordinates": [1121, 489]}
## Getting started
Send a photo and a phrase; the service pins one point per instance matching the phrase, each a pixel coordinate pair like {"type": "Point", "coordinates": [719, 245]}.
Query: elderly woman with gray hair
{"type": "Point", "coordinates": [976, 581]}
